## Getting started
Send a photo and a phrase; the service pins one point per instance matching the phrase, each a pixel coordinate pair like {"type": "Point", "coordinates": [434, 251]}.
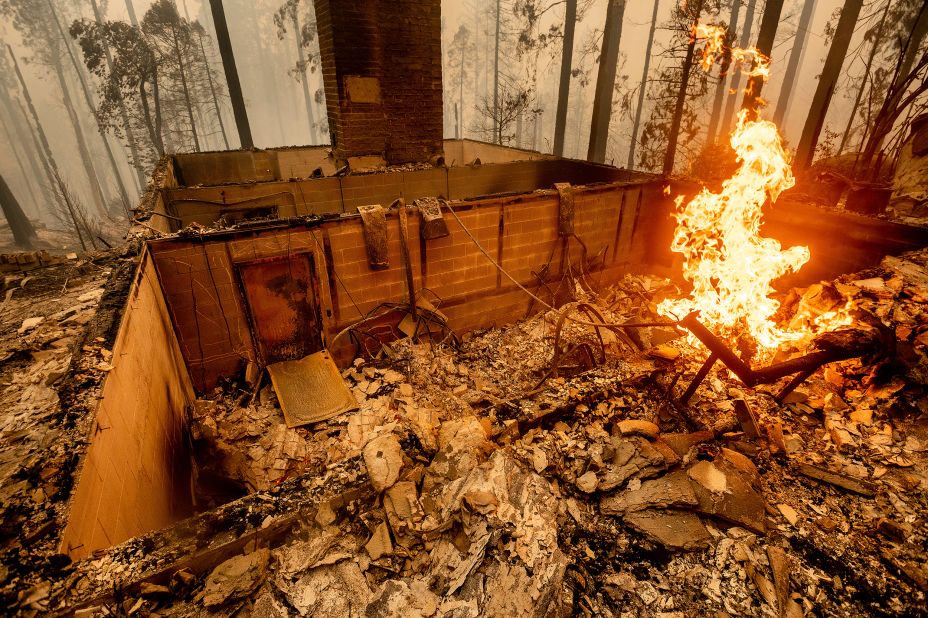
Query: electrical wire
{"type": "Point", "coordinates": [539, 300]}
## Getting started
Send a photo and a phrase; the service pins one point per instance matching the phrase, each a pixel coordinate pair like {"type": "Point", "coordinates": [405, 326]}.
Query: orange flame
{"type": "Point", "coordinates": [750, 61]}
{"type": "Point", "coordinates": [730, 265]}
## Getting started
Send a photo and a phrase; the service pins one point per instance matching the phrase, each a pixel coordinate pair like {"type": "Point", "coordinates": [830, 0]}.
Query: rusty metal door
{"type": "Point", "coordinates": [282, 294]}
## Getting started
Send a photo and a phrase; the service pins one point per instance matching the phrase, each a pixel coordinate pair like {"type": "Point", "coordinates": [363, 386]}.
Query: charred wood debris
{"type": "Point", "coordinates": [542, 468]}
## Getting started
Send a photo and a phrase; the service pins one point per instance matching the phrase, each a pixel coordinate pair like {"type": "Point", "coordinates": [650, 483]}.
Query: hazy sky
{"type": "Point", "coordinates": [274, 97]}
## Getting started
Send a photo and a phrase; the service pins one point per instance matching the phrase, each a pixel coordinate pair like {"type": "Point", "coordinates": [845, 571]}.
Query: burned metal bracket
{"type": "Point", "coordinates": [432, 224]}
{"type": "Point", "coordinates": [802, 367]}
{"type": "Point", "coordinates": [404, 249]}
{"type": "Point", "coordinates": [565, 215]}
{"type": "Point", "coordinates": [374, 221]}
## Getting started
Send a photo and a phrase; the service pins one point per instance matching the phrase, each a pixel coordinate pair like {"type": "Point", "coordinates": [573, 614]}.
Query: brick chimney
{"type": "Point", "coordinates": [381, 65]}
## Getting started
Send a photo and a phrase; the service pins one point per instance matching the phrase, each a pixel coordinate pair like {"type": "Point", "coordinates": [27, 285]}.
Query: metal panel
{"type": "Point", "coordinates": [282, 302]}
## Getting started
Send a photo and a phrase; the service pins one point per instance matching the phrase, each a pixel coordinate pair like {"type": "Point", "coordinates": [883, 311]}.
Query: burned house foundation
{"type": "Point", "coordinates": [405, 375]}
{"type": "Point", "coordinates": [197, 450]}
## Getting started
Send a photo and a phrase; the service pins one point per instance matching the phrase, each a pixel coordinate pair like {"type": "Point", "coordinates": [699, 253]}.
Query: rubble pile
{"type": "Point", "coordinates": [55, 350]}
{"type": "Point", "coordinates": [486, 479]}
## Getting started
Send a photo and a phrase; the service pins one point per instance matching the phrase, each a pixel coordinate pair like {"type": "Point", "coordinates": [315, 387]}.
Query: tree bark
{"type": "Point", "coordinates": [605, 82]}
{"type": "Point", "coordinates": [228, 64]}
{"type": "Point", "coordinates": [919, 30]}
{"type": "Point", "coordinates": [20, 225]}
{"type": "Point", "coordinates": [792, 66]}
{"type": "Point", "coordinates": [671, 153]}
{"type": "Point", "coordinates": [460, 110]}
{"type": "Point", "coordinates": [563, 89]}
{"type": "Point", "coordinates": [497, 130]}
{"type": "Point", "coordinates": [863, 82]}
{"type": "Point", "coordinates": [826, 83]}
{"type": "Point", "coordinates": [132, 19]}
{"type": "Point", "coordinates": [49, 189]}
{"type": "Point", "coordinates": [642, 87]}
{"type": "Point", "coordinates": [744, 41]}
{"type": "Point", "coordinates": [88, 99]}
{"type": "Point", "coordinates": [30, 146]}
{"type": "Point", "coordinates": [304, 77]}
{"type": "Point", "coordinates": [86, 158]}
{"type": "Point", "coordinates": [722, 83]}
{"type": "Point", "coordinates": [29, 176]}
{"type": "Point", "coordinates": [186, 91]}
{"type": "Point", "coordinates": [123, 113]}
{"type": "Point", "coordinates": [765, 38]}
{"type": "Point", "coordinates": [212, 92]}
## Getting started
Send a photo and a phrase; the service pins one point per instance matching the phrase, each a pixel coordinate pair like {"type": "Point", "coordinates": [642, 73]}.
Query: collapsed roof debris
{"type": "Point", "coordinates": [463, 486]}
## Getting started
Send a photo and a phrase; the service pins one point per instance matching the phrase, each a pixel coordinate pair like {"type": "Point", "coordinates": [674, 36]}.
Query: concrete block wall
{"type": "Point", "coordinates": [344, 194]}
{"type": "Point", "coordinates": [211, 316]}
{"type": "Point", "coordinates": [135, 475]}
{"type": "Point", "coordinates": [393, 48]}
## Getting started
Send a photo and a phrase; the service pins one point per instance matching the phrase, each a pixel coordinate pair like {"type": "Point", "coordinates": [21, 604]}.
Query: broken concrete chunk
{"type": "Point", "coordinates": [664, 352]}
{"type": "Point", "coordinates": [379, 543]}
{"type": "Point", "coordinates": [856, 485]}
{"type": "Point", "coordinates": [738, 503]}
{"type": "Point", "coordinates": [638, 427]}
{"type": "Point", "coordinates": [410, 599]}
{"type": "Point", "coordinates": [673, 529]}
{"type": "Point", "coordinates": [673, 489]}
{"type": "Point", "coordinates": [706, 474]}
{"type": "Point", "coordinates": [743, 464]}
{"type": "Point", "coordinates": [236, 577]}
{"type": "Point", "coordinates": [780, 566]}
{"type": "Point", "coordinates": [383, 458]}
{"type": "Point", "coordinates": [462, 432]}
{"type": "Point", "coordinates": [30, 323]}
{"type": "Point", "coordinates": [746, 418]}
{"type": "Point", "coordinates": [587, 482]}
{"type": "Point", "coordinates": [789, 513]}
{"type": "Point", "coordinates": [539, 460]}
{"type": "Point", "coordinates": [681, 443]}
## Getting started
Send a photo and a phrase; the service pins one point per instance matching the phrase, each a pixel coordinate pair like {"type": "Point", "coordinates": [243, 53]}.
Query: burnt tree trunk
{"type": "Point", "coordinates": [671, 153]}
{"type": "Point", "coordinates": [743, 42]}
{"type": "Point", "coordinates": [497, 129]}
{"type": "Point", "coordinates": [721, 85]}
{"type": "Point", "coordinates": [643, 86]}
{"type": "Point", "coordinates": [183, 84]}
{"type": "Point", "coordinates": [863, 82]}
{"type": "Point", "coordinates": [826, 83]}
{"type": "Point", "coordinates": [123, 113]}
{"type": "Point", "coordinates": [605, 82]}
{"type": "Point", "coordinates": [765, 38]}
{"type": "Point", "coordinates": [19, 123]}
{"type": "Point", "coordinates": [27, 174]}
{"type": "Point", "coordinates": [23, 232]}
{"type": "Point", "coordinates": [304, 78]}
{"type": "Point", "coordinates": [563, 88]}
{"type": "Point", "coordinates": [88, 100]}
{"type": "Point", "coordinates": [224, 43]}
{"type": "Point", "coordinates": [919, 30]}
{"type": "Point", "coordinates": [86, 158]}
{"type": "Point", "coordinates": [792, 66]}
{"type": "Point", "coordinates": [212, 91]}
{"type": "Point", "coordinates": [49, 158]}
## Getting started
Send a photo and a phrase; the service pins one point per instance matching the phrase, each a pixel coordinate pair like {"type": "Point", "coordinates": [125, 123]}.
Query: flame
{"type": "Point", "coordinates": [730, 265]}
{"type": "Point", "coordinates": [715, 43]}
{"type": "Point", "coordinates": [750, 61]}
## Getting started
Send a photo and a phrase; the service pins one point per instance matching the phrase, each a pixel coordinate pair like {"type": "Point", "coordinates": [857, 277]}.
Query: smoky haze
{"type": "Point", "coordinates": [268, 63]}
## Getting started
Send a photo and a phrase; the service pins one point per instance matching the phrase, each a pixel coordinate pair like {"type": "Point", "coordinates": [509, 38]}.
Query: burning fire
{"type": "Point", "coordinates": [751, 61]}
{"type": "Point", "coordinates": [730, 265]}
